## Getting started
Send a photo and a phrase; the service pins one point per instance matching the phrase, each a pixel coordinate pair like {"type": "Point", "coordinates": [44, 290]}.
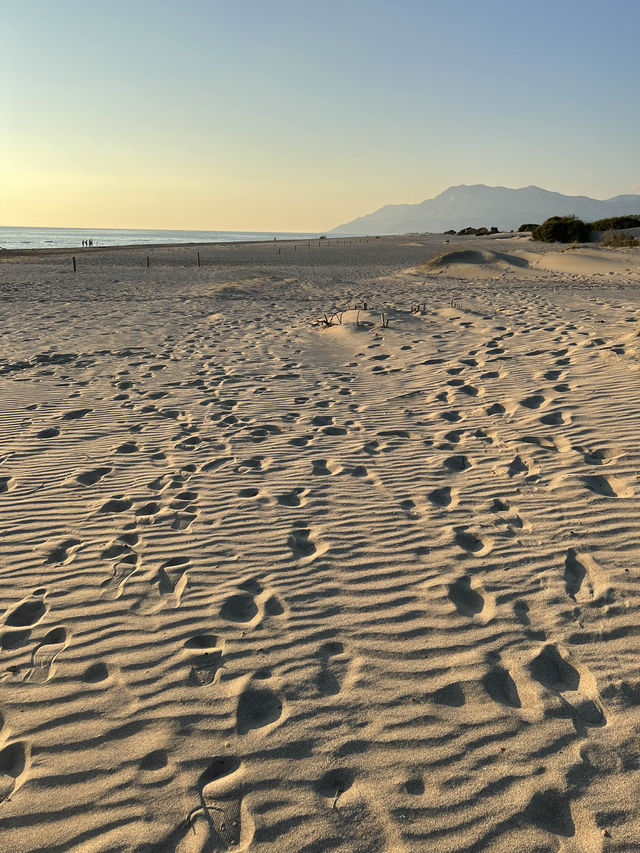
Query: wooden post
{"type": "Point", "coordinates": [295, 248]}
{"type": "Point", "coordinates": [278, 251]}
{"type": "Point", "coordinates": [74, 263]}
{"type": "Point", "coordinates": [147, 261]}
{"type": "Point", "coordinates": [198, 258]}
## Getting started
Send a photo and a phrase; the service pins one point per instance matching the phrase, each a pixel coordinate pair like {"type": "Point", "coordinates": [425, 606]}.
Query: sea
{"type": "Point", "coordinates": [70, 238]}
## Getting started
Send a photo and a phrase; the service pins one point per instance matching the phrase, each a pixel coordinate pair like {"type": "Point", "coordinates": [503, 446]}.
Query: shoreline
{"type": "Point", "coordinates": [64, 250]}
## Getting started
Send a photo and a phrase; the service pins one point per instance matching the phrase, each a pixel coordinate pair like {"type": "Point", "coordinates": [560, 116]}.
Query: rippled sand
{"type": "Point", "coordinates": [270, 585]}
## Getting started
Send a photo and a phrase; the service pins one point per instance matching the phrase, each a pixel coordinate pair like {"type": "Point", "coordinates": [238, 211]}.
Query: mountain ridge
{"type": "Point", "coordinates": [478, 204]}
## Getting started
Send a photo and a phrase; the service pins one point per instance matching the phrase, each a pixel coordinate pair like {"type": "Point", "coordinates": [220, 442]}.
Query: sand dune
{"type": "Point", "coordinates": [476, 262]}
{"type": "Point", "coordinates": [270, 585]}
{"type": "Point", "coordinates": [486, 263]}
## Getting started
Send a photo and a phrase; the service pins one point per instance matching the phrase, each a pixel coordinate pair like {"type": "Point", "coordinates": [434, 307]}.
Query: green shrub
{"type": "Point", "coordinates": [562, 229]}
{"type": "Point", "coordinates": [618, 240]}
{"type": "Point", "coordinates": [528, 226]}
{"type": "Point", "coordinates": [616, 223]}
{"type": "Point", "coordinates": [476, 232]}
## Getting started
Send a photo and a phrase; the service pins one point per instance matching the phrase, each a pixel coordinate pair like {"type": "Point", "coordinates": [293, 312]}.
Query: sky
{"type": "Point", "coordinates": [292, 115]}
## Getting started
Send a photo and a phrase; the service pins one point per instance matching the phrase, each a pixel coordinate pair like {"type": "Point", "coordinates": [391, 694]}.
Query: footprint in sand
{"type": "Point", "coordinates": [467, 600]}
{"type": "Point", "coordinates": [471, 391]}
{"type": "Point", "coordinates": [533, 402]}
{"type": "Point", "coordinates": [95, 673]}
{"type": "Point", "coordinates": [550, 810]}
{"type": "Point", "coordinates": [445, 497]}
{"type": "Point", "coordinates": [122, 545]}
{"type": "Point", "coordinates": [258, 707]}
{"type": "Point", "coordinates": [517, 466]}
{"type": "Point", "coordinates": [12, 640]}
{"type": "Point", "coordinates": [242, 606]}
{"type": "Point", "coordinates": [582, 576]}
{"type": "Point", "coordinates": [601, 456]}
{"type": "Point", "coordinates": [127, 447]}
{"type": "Point", "coordinates": [261, 433]}
{"type": "Point", "coordinates": [472, 544]}
{"type": "Point", "coordinates": [14, 765]}
{"type": "Point", "coordinates": [372, 447]}
{"type": "Point", "coordinates": [90, 478]}
{"type": "Point", "coordinates": [333, 784]}
{"type": "Point", "coordinates": [499, 684]}
{"type": "Point", "coordinates": [28, 612]}
{"type": "Point", "coordinates": [63, 552]}
{"type": "Point", "coordinates": [572, 683]}
{"type": "Point", "coordinates": [48, 432]}
{"type": "Point", "coordinates": [6, 484]}
{"type": "Point", "coordinates": [206, 664]}
{"type": "Point", "coordinates": [183, 519]}
{"type": "Point", "coordinates": [42, 661]}
{"type": "Point", "coordinates": [451, 695]}
{"type": "Point", "coordinates": [171, 580]}
{"type": "Point", "coordinates": [75, 414]}
{"type": "Point", "coordinates": [554, 419]}
{"type": "Point", "coordinates": [301, 440]}
{"type": "Point", "coordinates": [301, 542]}
{"type": "Point", "coordinates": [333, 668]}
{"type": "Point", "coordinates": [607, 487]}
{"type": "Point", "coordinates": [456, 464]}
{"type": "Point", "coordinates": [323, 468]}
{"type": "Point", "coordinates": [252, 604]}
{"type": "Point", "coordinates": [495, 409]}
{"type": "Point", "coordinates": [113, 587]}
{"type": "Point", "coordinates": [116, 504]}
{"type": "Point", "coordinates": [508, 515]}
{"type": "Point", "coordinates": [255, 465]}
{"type": "Point", "coordinates": [222, 820]}
{"type": "Point", "coordinates": [294, 498]}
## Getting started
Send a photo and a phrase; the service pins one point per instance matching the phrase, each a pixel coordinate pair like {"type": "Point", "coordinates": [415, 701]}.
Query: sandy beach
{"type": "Point", "coordinates": [270, 584]}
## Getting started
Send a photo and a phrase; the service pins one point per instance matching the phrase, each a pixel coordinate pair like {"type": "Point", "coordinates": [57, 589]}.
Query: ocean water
{"type": "Point", "coordinates": [57, 238]}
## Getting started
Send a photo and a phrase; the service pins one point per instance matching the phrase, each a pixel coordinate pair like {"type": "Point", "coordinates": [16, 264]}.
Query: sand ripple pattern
{"type": "Point", "coordinates": [267, 586]}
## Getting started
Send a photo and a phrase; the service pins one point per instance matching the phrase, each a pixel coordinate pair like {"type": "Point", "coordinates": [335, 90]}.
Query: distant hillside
{"type": "Point", "coordinates": [479, 205]}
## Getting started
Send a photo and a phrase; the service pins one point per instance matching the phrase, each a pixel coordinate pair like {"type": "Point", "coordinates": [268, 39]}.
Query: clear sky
{"type": "Point", "coordinates": [300, 115]}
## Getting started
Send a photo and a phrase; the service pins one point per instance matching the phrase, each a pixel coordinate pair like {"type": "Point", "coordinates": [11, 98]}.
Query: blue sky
{"type": "Point", "coordinates": [273, 114]}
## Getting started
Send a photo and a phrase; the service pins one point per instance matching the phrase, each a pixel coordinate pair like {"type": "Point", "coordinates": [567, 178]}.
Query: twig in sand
{"type": "Point", "coordinates": [339, 792]}
{"type": "Point", "coordinates": [93, 458]}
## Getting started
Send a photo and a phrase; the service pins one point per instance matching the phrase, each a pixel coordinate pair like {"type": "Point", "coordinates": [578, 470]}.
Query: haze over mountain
{"type": "Point", "coordinates": [476, 205]}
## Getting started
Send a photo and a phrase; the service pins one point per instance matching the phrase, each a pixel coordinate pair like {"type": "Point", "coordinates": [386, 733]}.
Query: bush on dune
{"type": "Point", "coordinates": [562, 229]}
{"type": "Point", "coordinates": [528, 226]}
{"type": "Point", "coordinates": [475, 232]}
{"type": "Point", "coordinates": [616, 223]}
{"type": "Point", "coordinates": [620, 241]}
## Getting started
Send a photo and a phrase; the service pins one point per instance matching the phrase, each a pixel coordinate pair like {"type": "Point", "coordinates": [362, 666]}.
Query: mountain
{"type": "Point", "coordinates": [479, 205]}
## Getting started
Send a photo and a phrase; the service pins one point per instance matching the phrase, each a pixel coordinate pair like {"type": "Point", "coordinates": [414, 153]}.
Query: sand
{"type": "Point", "coordinates": [269, 585]}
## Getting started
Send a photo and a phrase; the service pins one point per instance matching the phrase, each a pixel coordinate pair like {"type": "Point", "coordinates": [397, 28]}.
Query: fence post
{"type": "Point", "coordinates": [147, 261]}
{"type": "Point", "coordinates": [74, 262]}
{"type": "Point", "coordinates": [198, 258]}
